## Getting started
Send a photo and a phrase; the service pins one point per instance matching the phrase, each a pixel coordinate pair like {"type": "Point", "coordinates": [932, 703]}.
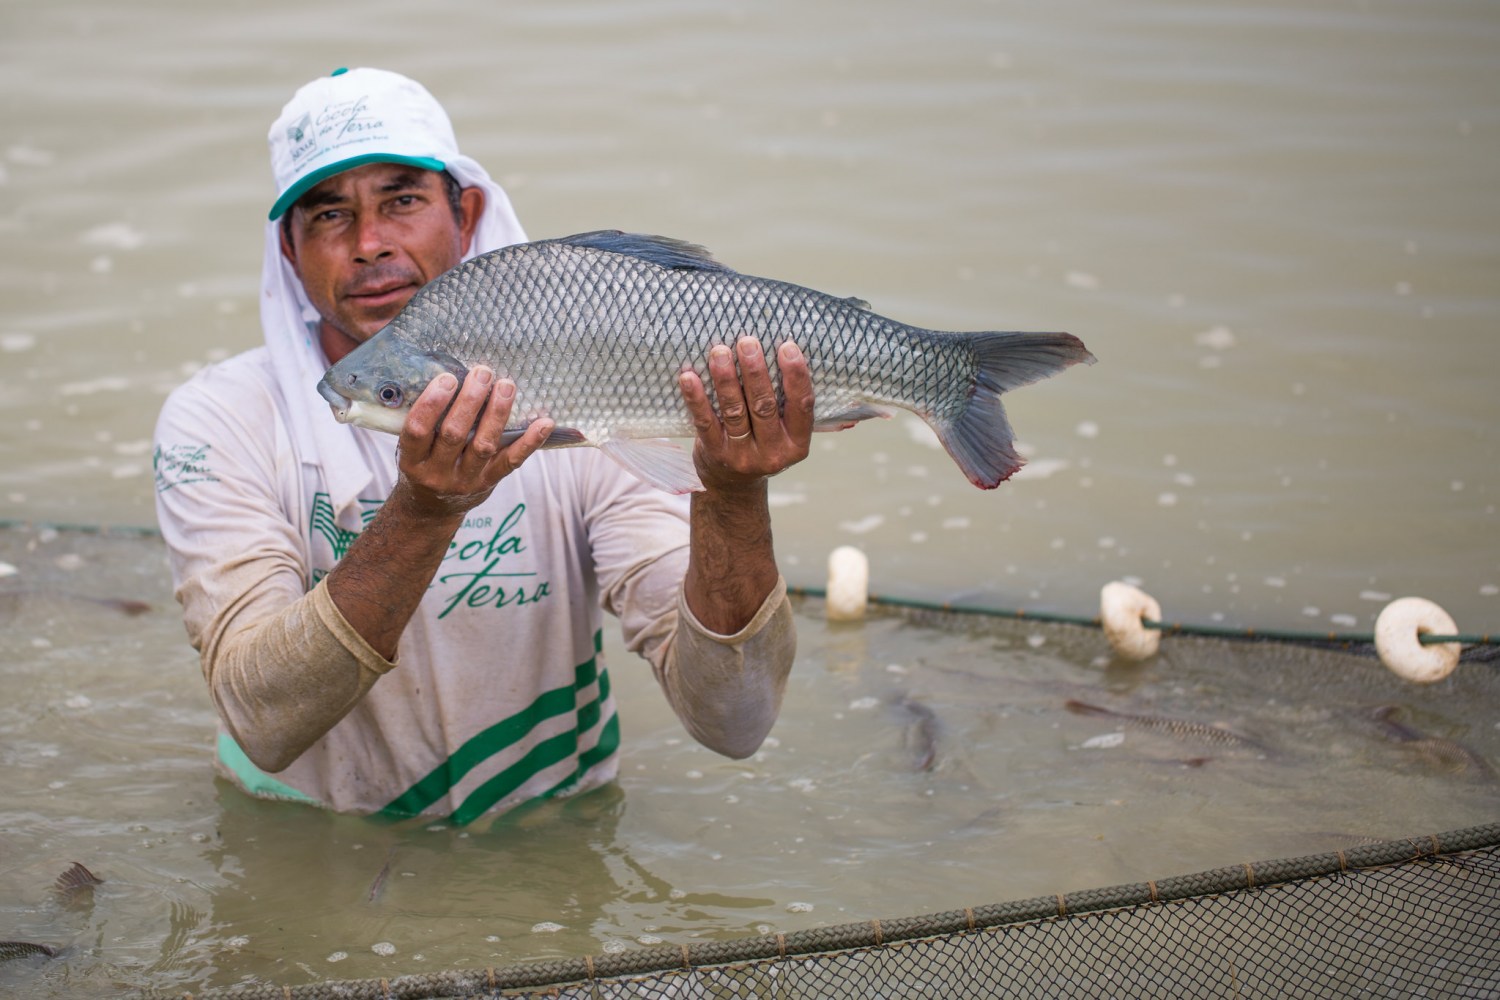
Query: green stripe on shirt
{"type": "Point", "coordinates": [254, 780]}
{"type": "Point", "coordinates": [542, 756]}
{"type": "Point", "coordinates": [504, 734]}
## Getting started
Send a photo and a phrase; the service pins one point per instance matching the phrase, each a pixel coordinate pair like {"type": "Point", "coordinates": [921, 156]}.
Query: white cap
{"type": "Point", "coordinates": [352, 117]}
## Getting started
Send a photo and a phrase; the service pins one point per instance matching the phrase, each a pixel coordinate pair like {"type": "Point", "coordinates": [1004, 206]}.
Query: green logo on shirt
{"type": "Point", "coordinates": [339, 539]}
{"type": "Point", "coordinates": [477, 572]}
{"type": "Point", "coordinates": [180, 464]}
{"type": "Point", "coordinates": [495, 584]}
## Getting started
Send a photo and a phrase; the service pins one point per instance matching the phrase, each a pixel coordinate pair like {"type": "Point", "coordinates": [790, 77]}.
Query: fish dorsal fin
{"type": "Point", "coordinates": [75, 882]}
{"type": "Point", "coordinates": [858, 303]}
{"type": "Point", "coordinates": [660, 250]}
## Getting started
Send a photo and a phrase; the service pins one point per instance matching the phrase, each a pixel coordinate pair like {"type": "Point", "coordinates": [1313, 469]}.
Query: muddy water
{"type": "Point", "coordinates": [920, 764]}
{"type": "Point", "coordinates": [1274, 224]}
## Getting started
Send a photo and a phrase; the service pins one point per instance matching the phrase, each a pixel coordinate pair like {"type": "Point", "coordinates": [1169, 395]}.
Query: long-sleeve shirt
{"type": "Point", "coordinates": [498, 693]}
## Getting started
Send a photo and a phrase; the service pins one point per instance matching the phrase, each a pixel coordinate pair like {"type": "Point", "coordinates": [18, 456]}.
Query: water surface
{"type": "Point", "coordinates": [1274, 223]}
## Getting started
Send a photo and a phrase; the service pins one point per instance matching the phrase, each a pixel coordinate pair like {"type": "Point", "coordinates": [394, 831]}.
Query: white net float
{"type": "Point", "coordinates": [848, 584]}
{"type": "Point", "coordinates": [1398, 633]}
{"type": "Point", "coordinates": [1123, 610]}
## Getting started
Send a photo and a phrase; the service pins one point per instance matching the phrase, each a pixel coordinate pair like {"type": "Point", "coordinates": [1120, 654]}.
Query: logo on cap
{"type": "Point", "coordinates": [300, 138]}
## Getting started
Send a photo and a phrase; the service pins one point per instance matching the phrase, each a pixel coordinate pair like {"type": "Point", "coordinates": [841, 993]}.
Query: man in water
{"type": "Point", "coordinates": [415, 630]}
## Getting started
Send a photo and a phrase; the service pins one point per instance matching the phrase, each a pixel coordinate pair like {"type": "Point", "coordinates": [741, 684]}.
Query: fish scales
{"type": "Point", "coordinates": [568, 335]}
{"type": "Point", "coordinates": [594, 329]}
{"type": "Point", "coordinates": [1181, 729]}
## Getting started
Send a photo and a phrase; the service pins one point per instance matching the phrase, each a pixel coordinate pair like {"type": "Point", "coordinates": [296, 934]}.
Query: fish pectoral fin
{"type": "Point", "coordinates": [561, 437]}
{"type": "Point", "coordinates": [847, 419]}
{"type": "Point", "coordinates": [656, 461]}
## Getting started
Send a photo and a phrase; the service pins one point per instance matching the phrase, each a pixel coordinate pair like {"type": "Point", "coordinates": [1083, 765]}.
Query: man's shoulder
{"type": "Point", "coordinates": [232, 381]}
{"type": "Point", "coordinates": [253, 366]}
{"type": "Point", "coordinates": [234, 394]}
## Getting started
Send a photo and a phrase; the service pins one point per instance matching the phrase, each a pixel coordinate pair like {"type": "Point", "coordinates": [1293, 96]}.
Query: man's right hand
{"type": "Point", "coordinates": [452, 456]}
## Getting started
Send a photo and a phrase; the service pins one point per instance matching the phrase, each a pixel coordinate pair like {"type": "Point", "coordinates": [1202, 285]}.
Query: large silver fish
{"type": "Point", "coordinates": [595, 328]}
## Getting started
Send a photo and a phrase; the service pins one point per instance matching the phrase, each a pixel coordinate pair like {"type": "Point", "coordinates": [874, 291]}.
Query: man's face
{"type": "Point", "coordinates": [363, 241]}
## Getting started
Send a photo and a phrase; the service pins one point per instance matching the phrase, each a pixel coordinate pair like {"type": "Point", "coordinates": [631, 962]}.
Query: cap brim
{"type": "Point", "coordinates": [303, 185]}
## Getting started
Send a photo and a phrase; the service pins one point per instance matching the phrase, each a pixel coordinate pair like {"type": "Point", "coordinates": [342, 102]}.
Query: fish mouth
{"type": "Point", "coordinates": [339, 403]}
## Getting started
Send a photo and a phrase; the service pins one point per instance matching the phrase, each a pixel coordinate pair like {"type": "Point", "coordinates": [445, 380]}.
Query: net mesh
{"type": "Point", "coordinates": [1408, 918]}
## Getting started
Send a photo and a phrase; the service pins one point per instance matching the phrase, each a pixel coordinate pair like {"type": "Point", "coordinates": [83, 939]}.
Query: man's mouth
{"type": "Point", "coordinates": [387, 295]}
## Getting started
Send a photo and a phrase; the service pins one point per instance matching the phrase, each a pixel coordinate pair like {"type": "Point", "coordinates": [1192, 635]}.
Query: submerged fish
{"type": "Point", "coordinates": [595, 328]}
{"type": "Point", "coordinates": [69, 885]}
{"type": "Point", "coordinates": [1181, 729]}
{"type": "Point", "coordinates": [10, 950]}
{"type": "Point", "coordinates": [921, 734]}
{"type": "Point", "coordinates": [1448, 754]}
{"type": "Point", "coordinates": [380, 876]}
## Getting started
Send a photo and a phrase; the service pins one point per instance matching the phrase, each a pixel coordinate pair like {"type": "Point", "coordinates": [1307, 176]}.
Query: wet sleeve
{"type": "Point", "coordinates": [726, 689]}
{"type": "Point", "coordinates": [282, 664]}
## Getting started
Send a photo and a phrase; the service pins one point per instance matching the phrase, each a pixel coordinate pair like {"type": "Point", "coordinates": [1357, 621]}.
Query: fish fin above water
{"type": "Point", "coordinates": [664, 251]}
{"type": "Point", "coordinates": [980, 439]}
{"type": "Point", "coordinates": [77, 879]}
{"type": "Point", "coordinates": [657, 461]}
{"type": "Point", "coordinates": [847, 419]}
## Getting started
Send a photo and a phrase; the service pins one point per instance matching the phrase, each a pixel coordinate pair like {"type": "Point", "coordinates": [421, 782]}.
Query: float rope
{"type": "Point", "coordinates": [1019, 614]}
{"type": "Point", "coordinates": [1170, 628]}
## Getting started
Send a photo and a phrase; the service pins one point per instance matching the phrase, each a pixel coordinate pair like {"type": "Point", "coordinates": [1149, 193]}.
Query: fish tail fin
{"type": "Point", "coordinates": [979, 439]}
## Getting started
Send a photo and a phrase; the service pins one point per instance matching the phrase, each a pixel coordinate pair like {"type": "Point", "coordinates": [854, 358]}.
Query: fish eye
{"type": "Point", "coordinates": [389, 393]}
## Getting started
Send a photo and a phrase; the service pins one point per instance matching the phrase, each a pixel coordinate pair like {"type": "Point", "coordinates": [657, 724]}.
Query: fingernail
{"type": "Point", "coordinates": [506, 389]}
{"type": "Point", "coordinates": [447, 382]}
{"type": "Point", "coordinates": [790, 352]}
{"type": "Point", "coordinates": [748, 345]}
{"type": "Point", "coordinates": [718, 353]}
{"type": "Point", "coordinates": [483, 376]}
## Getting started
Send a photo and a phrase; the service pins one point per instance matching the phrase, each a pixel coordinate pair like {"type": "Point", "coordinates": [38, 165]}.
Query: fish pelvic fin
{"type": "Point", "coordinates": [561, 437]}
{"type": "Point", "coordinates": [980, 439]}
{"type": "Point", "coordinates": [847, 419]}
{"type": "Point", "coordinates": [657, 461]}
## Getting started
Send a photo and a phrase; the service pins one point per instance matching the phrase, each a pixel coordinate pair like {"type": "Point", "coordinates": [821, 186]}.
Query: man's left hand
{"type": "Point", "coordinates": [751, 436]}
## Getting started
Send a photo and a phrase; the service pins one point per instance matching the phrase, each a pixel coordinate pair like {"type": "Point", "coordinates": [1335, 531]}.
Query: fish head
{"type": "Point", "coordinates": [376, 384]}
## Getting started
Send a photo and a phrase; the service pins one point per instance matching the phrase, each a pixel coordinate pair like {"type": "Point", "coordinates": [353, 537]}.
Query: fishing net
{"type": "Point", "coordinates": [1407, 918]}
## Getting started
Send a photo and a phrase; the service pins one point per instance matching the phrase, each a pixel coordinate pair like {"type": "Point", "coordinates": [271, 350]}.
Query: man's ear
{"type": "Point", "coordinates": [287, 249]}
{"type": "Point", "coordinates": [471, 208]}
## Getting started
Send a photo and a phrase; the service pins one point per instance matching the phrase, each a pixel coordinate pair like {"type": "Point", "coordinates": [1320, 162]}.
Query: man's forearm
{"type": "Point", "coordinates": [379, 582]}
{"type": "Point", "coordinates": [731, 565]}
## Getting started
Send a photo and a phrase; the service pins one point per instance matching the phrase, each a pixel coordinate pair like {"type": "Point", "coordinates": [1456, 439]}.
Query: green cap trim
{"type": "Point", "coordinates": [340, 71]}
{"type": "Point", "coordinates": [305, 184]}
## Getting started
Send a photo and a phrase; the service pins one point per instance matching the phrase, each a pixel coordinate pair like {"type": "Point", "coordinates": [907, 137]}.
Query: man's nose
{"type": "Point", "coordinates": [371, 239]}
